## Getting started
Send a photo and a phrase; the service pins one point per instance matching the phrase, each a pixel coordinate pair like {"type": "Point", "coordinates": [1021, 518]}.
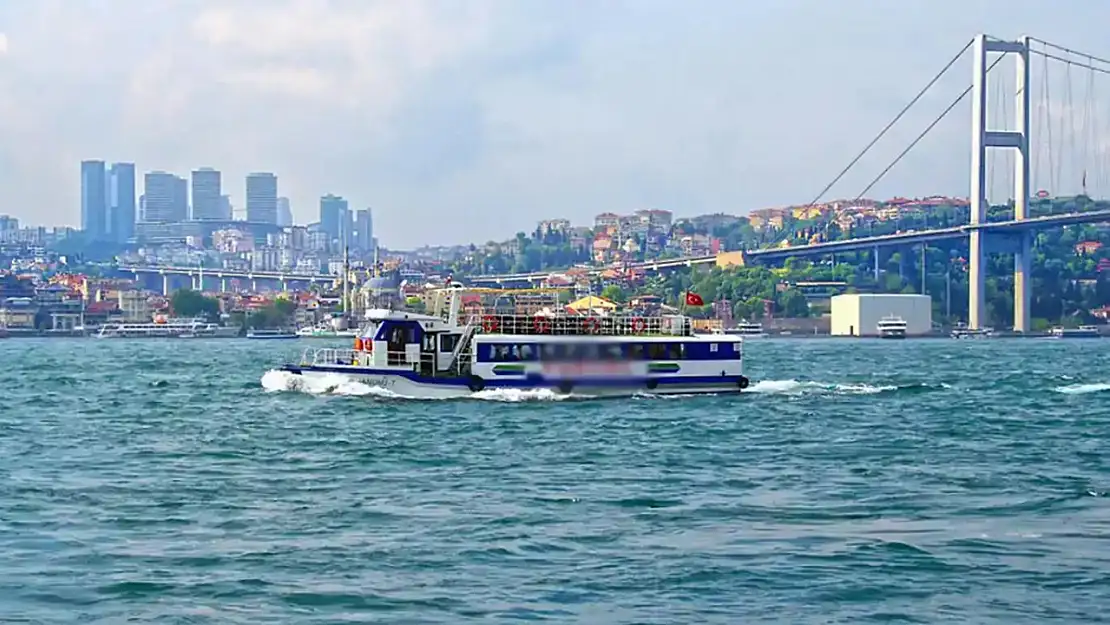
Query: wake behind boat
{"type": "Point", "coordinates": [454, 352]}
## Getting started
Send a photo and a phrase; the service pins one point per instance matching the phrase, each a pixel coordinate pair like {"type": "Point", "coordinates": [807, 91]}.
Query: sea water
{"type": "Point", "coordinates": [857, 481]}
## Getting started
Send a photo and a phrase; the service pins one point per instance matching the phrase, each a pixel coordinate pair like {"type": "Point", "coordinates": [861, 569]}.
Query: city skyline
{"type": "Point", "coordinates": [472, 120]}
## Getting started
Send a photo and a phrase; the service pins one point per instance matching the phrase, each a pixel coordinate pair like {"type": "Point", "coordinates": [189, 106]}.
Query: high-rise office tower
{"type": "Point", "coordinates": [165, 197]}
{"type": "Point", "coordinates": [207, 196]}
{"type": "Point", "coordinates": [364, 230]}
{"type": "Point", "coordinates": [121, 201]}
{"type": "Point", "coordinates": [94, 200]}
{"type": "Point", "coordinates": [262, 198]}
{"type": "Point", "coordinates": [335, 220]}
{"type": "Point", "coordinates": [284, 212]}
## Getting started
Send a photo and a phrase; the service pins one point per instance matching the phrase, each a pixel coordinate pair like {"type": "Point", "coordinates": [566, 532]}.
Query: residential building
{"type": "Point", "coordinates": [262, 198]}
{"type": "Point", "coordinates": [94, 200]}
{"type": "Point", "coordinates": [606, 220]}
{"type": "Point", "coordinates": [208, 204]}
{"type": "Point", "coordinates": [121, 202]}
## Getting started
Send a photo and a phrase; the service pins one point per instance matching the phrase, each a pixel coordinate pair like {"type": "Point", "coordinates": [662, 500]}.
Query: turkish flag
{"type": "Point", "coordinates": [693, 299]}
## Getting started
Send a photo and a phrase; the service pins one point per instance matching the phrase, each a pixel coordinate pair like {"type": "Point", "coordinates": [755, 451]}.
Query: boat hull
{"type": "Point", "coordinates": [410, 384]}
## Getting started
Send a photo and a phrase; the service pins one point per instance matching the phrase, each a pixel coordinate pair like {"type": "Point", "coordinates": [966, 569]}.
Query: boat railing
{"type": "Point", "coordinates": [345, 356]}
{"type": "Point", "coordinates": [579, 325]}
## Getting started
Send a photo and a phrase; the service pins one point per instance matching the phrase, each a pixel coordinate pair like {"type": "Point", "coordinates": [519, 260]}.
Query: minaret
{"type": "Point", "coordinates": [346, 281]}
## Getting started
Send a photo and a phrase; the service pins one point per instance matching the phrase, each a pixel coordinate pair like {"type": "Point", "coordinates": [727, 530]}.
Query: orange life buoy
{"type": "Point", "coordinates": [489, 324]}
{"type": "Point", "coordinates": [541, 326]}
{"type": "Point", "coordinates": [358, 343]}
{"type": "Point", "coordinates": [638, 325]}
{"type": "Point", "coordinates": [591, 324]}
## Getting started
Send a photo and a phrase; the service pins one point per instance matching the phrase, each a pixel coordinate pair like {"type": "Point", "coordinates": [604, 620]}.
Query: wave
{"type": "Point", "coordinates": [275, 381]}
{"type": "Point", "coordinates": [796, 387]}
{"type": "Point", "coordinates": [338, 384]}
{"type": "Point", "coordinates": [1083, 389]}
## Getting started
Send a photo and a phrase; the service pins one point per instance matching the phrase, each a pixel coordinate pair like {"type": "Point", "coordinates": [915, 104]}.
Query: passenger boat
{"type": "Point", "coordinates": [892, 327]}
{"type": "Point", "coordinates": [747, 329]}
{"type": "Point", "coordinates": [1082, 332]}
{"type": "Point", "coordinates": [453, 352]}
{"type": "Point", "coordinates": [325, 332]}
{"type": "Point", "coordinates": [964, 332]}
{"type": "Point", "coordinates": [271, 334]}
{"type": "Point", "coordinates": [187, 327]}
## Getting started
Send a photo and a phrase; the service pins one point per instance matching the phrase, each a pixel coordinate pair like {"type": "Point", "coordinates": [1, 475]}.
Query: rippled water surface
{"type": "Point", "coordinates": [868, 481]}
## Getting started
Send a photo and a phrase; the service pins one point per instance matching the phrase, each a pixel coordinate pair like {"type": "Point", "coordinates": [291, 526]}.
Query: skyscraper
{"type": "Point", "coordinates": [262, 198]}
{"type": "Point", "coordinates": [94, 200]}
{"type": "Point", "coordinates": [165, 198]}
{"type": "Point", "coordinates": [284, 212]}
{"type": "Point", "coordinates": [207, 198]}
{"type": "Point", "coordinates": [121, 201]}
{"type": "Point", "coordinates": [335, 220]}
{"type": "Point", "coordinates": [364, 230]}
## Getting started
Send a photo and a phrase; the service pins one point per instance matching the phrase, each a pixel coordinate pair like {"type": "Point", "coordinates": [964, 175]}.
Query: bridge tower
{"type": "Point", "coordinates": [1018, 140]}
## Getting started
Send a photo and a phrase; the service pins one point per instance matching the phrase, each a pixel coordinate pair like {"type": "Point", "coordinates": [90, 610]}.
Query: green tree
{"type": "Point", "coordinates": [190, 303]}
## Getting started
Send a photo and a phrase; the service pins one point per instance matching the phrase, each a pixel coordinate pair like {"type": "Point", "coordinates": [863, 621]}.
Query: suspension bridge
{"type": "Point", "coordinates": [1071, 159]}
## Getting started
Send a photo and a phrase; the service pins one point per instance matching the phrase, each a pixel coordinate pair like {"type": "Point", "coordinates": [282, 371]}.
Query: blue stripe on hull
{"type": "Point", "coordinates": [725, 381]}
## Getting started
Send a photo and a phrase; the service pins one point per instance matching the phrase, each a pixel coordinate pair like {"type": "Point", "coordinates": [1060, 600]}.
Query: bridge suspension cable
{"type": "Point", "coordinates": [894, 121]}
{"type": "Point", "coordinates": [1076, 158]}
{"type": "Point", "coordinates": [921, 136]}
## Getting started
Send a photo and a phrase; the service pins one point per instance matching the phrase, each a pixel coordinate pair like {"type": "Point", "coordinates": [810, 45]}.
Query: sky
{"type": "Point", "coordinates": [463, 121]}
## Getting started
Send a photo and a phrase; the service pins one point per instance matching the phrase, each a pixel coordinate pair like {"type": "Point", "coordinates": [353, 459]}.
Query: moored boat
{"type": "Point", "coordinates": [892, 327]}
{"type": "Point", "coordinates": [454, 353]}
{"type": "Point", "coordinates": [196, 327]}
{"type": "Point", "coordinates": [1082, 332]}
{"type": "Point", "coordinates": [271, 334]}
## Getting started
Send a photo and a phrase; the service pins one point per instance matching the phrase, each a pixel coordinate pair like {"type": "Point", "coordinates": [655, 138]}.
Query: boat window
{"type": "Point", "coordinates": [549, 351]}
{"type": "Point", "coordinates": [636, 351]}
{"type": "Point", "coordinates": [527, 352]}
{"type": "Point", "coordinates": [676, 351]}
{"type": "Point", "coordinates": [657, 351]}
{"type": "Point", "coordinates": [712, 348]}
{"type": "Point", "coordinates": [448, 342]}
{"type": "Point", "coordinates": [500, 353]}
{"type": "Point", "coordinates": [612, 351]}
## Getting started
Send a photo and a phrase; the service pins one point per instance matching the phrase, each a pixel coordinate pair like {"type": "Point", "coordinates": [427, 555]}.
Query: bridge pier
{"type": "Point", "coordinates": [875, 257]}
{"type": "Point", "coordinates": [165, 285]}
{"type": "Point", "coordinates": [981, 139]}
{"type": "Point", "coordinates": [1023, 276]}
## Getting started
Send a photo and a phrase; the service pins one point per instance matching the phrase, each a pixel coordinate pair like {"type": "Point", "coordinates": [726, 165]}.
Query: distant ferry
{"type": "Point", "coordinates": [271, 334]}
{"type": "Point", "coordinates": [964, 332]}
{"type": "Point", "coordinates": [196, 327]}
{"type": "Point", "coordinates": [452, 353]}
{"type": "Point", "coordinates": [747, 329]}
{"type": "Point", "coordinates": [325, 332]}
{"type": "Point", "coordinates": [1082, 332]}
{"type": "Point", "coordinates": [892, 327]}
